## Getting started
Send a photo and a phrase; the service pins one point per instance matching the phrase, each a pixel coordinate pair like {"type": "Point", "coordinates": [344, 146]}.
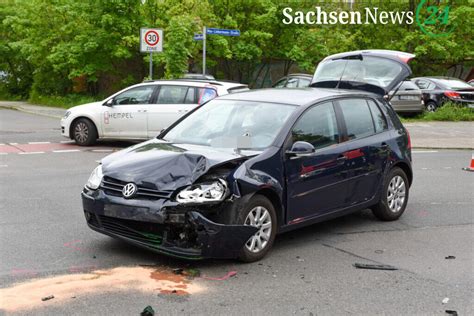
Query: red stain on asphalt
{"type": "Point", "coordinates": [72, 246]}
{"type": "Point", "coordinates": [87, 268]}
{"type": "Point", "coordinates": [225, 277]}
{"type": "Point", "coordinates": [23, 272]}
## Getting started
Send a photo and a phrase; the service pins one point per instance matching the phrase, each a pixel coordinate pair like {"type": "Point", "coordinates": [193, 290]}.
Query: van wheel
{"type": "Point", "coordinates": [394, 198]}
{"type": "Point", "coordinates": [259, 212]}
{"type": "Point", "coordinates": [84, 132]}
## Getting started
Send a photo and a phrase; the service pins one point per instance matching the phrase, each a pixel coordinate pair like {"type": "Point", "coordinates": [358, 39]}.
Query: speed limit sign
{"type": "Point", "coordinates": [151, 40]}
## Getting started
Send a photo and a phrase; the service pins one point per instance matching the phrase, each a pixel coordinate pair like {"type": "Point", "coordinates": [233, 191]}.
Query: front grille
{"type": "Point", "coordinates": [149, 233]}
{"type": "Point", "coordinates": [113, 186]}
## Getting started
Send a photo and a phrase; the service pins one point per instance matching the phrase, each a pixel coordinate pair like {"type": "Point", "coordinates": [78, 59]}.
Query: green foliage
{"type": "Point", "coordinates": [66, 101]}
{"type": "Point", "coordinates": [47, 46]}
{"type": "Point", "coordinates": [448, 112]}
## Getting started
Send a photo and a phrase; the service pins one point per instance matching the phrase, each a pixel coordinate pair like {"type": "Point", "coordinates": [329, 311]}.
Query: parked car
{"type": "Point", "coordinates": [294, 81]}
{"type": "Point", "coordinates": [407, 99]}
{"type": "Point", "coordinates": [439, 90]}
{"type": "Point", "coordinates": [198, 76]}
{"type": "Point", "coordinates": [471, 82]}
{"type": "Point", "coordinates": [140, 111]}
{"type": "Point", "coordinates": [226, 178]}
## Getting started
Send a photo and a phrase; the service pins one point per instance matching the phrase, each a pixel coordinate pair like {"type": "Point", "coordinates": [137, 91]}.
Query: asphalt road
{"type": "Point", "coordinates": [47, 249]}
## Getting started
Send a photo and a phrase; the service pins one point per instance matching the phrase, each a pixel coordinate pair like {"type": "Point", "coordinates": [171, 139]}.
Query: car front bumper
{"type": "Point", "coordinates": [184, 233]}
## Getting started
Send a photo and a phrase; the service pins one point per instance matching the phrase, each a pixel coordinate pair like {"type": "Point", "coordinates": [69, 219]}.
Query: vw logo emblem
{"type": "Point", "coordinates": [129, 190]}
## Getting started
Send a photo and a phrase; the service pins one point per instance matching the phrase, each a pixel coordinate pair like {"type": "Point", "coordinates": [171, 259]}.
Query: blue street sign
{"type": "Point", "coordinates": [198, 37]}
{"type": "Point", "coordinates": [223, 32]}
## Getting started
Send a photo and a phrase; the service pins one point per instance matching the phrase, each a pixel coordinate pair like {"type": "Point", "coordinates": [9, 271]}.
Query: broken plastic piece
{"type": "Point", "coordinates": [451, 312]}
{"type": "Point", "coordinates": [445, 300]}
{"type": "Point", "coordinates": [148, 311]}
{"type": "Point", "coordinates": [374, 266]}
{"type": "Point", "coordinates": [47, 298]}
{"type": "Point", "coordinates": [450, 257]}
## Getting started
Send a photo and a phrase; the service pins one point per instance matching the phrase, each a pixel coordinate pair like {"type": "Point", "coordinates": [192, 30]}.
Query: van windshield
{"type": "Point", "coordinates": [232, 124]}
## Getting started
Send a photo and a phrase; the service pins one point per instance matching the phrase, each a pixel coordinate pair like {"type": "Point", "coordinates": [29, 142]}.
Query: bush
{"type": "Point", "coordinates": [67, 101]}
{"type": "Point", "coordinates": [448, 112]}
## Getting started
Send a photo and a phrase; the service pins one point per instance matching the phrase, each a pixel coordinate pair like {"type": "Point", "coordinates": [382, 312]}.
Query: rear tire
{"type": "Point", "coordinates": [431, 106]}
{"type": "Point", "coordinates": [84, 132]}
{"type": "Point", "coordinates": [258, 212]}
{"type": "Point", "coordinates": [394, 197]}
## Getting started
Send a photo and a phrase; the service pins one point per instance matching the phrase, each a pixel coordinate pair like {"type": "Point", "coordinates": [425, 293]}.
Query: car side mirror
{"type": "Point", "coordinates": [109, 102]}
{"type": "Point", "coordinates": [301, 149]}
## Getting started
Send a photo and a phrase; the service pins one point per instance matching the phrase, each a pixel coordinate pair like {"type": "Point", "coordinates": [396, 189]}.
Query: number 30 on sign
{"type": "Point", "coordinates": [151, 40]}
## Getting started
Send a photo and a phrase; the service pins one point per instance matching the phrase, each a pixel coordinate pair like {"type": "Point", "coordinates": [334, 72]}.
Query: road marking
{"type": "Point", "coordinates": [3, 166]}
{"type": "Point", "coordinates": [102, 150]}
{"type": "Point", "coordinates": [2, 144]}
{"type": "Point", "coordinates": [13, 144]}
{"type": "Point", "coordinates": [37, 143]}
{"type": "Point", "coordinates": [447, 167]}
{"type": "Point", "coordinates": [424, 151]}
{"type": "Point", "coordinates": [66, 151]}
{"type": "Point", "coordinates": [3, 153]}
{"type": "Point", "coordinates": [31, 153]}
{"type": "Point", "coordinates": [66, 141]}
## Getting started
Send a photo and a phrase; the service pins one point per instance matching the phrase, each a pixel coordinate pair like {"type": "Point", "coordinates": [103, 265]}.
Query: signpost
{"type": "Point", "coordinates": [211, 31]}
{"type": "Point", "coordinates": [151, 40]}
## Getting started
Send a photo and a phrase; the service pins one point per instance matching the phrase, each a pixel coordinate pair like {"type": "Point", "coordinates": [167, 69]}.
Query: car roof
{"type": "Point", "coordinates": [195, 82]}
{"type": "Point", "coordinates": [293, 96]}
{"type": "Point", "coordinates": [438, 77]}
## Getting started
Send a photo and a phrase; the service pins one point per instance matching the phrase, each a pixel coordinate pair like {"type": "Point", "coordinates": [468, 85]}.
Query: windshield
{"type": "Point", "coordinates": [232, 124]}
{"type": "Point", "coordinates": [370, 70]}
{"type": "Point", "coordinates": [453, 83]}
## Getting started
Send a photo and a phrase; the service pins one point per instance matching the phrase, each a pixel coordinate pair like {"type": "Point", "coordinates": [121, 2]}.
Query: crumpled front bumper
{"type": "Point", "coordinates": [155, 226]}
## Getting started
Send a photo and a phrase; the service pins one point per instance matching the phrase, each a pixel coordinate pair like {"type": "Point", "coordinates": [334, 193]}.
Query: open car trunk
{"type": "Point", "coordinates": [377, 71]}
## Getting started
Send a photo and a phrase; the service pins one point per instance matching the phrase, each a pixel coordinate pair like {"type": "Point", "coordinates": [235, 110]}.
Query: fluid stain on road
{"type": "Point", "coordinates": [148, 280]}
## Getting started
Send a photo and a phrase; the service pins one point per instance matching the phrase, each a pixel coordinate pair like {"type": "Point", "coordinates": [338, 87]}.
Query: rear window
{"type": "Point", "coordinates": [453, 83]}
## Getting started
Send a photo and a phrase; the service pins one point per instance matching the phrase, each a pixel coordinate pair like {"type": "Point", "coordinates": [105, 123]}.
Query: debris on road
{"type": "Point", "coordinates": [379, 251]}
{"type": "Point", "coordinates": [451, 312]}
{"type": "Point", "coordinates": [225, 277]}
{"type": "Point", "coordinates": [148, 311]}
{"type": "Point", "coordinates": [47, 298]}
{"type": "Point", "coordinates": [450, 257]}
{"type": "Point", "coordinates": [374, 266]}
{"type": "Point", "coordinates": [445, 300]}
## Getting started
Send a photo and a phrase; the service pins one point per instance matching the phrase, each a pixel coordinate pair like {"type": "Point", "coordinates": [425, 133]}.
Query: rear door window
{"type": "Point", "coordinates": [280, 83]}
{"type": "Point", "coordinates": [317, 126]}
{"type": "Point", "coordinates": [303, 83]}
{"type": "Point", "coordinates": [292, 83]}
{"type": "Point", "coordinates": [357, 117]}
{"type": "Point", "coordinates": [172, 95]}
{"type": "Point", "coordinates": [380, 122]}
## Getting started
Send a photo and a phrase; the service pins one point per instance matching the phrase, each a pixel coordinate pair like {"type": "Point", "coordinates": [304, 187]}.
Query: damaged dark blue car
{"type": "Point", "coordinates": [225, 179]}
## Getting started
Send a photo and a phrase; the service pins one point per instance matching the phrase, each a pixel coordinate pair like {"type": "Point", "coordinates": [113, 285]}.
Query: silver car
{"type": "Point", "coordinates": [408, 99]}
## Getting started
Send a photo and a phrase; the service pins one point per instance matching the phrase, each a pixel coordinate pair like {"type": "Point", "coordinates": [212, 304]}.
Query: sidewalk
{"type": "Point", "coordinates": [441, 135]}
{"type": "Point", "coordinates": [33, 109]}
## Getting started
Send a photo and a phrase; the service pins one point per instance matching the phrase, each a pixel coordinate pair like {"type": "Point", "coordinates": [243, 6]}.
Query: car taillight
{"type": "Point", "coordinates": [409, 140]}
{"type": "Point", "coordinates": [452, 94]}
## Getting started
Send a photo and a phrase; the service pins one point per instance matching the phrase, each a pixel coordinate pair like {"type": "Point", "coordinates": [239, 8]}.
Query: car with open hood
{"type": "Point", "coordinates": [223, 180]}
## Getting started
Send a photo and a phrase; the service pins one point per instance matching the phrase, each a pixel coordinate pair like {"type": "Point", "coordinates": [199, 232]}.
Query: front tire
{"type": "Point", "coordinates": [84, 132]}
{"type": "Point", "coordinates": [394, 197]}
{"type": "Point", "coordinates": [258, 212]}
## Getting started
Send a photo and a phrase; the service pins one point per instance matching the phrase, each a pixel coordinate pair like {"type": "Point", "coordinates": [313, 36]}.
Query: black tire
{"type": "Point", "coordinates": [257, 201]}
{"type": "Point", "coordinates": [431, 106]}
{"type": "Point", "coordinates": [389, 211]}
{"type": "Point", "coordinates": [84, 132]}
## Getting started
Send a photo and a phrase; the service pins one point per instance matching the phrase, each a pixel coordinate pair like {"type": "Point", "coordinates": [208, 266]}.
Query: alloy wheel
{"type": "Point", "coordinates": [396, 193]}
{"type": "Point", "coordinates": [259, 217]}
{"type": "Point", "coordinates": [81, 132]}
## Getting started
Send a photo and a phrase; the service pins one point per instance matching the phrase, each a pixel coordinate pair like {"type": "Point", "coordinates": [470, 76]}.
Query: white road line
{"type": "Point", "coordinates": [3, 153]}
{"type": "Point", "coordinates": [2, 144]}
{"type": "Point", "coordinates": [66, 141]}
{"type": "Point", "coordinates": [424, 151]}
{"type": "Point", "coordinates": [31, 153]}
{"type": "Point", "coordinates": [66, 151]}
{"type": "Point", "coordinates": [447, 167]}
{"type": "Point", "coordinates": [38, 143]}
{"type": "Point", "coordinates": [13, 143]}
{"type": "Point", "coordinates": [3, 166]}
{"type": "Point", "coordinates": [102, 150]}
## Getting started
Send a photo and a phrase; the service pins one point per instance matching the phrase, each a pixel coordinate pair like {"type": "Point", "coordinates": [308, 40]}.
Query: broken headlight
{"type": "Point", "coordinates": [95, 179]}
{"type": "Point", "coordinates": [203, 192]}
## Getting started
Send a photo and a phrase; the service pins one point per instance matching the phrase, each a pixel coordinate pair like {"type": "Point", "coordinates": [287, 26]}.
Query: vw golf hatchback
{"type": "Point", "coordinates": [226, 178]}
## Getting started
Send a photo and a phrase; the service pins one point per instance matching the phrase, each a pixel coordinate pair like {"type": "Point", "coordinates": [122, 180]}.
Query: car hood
{"type": "Point", "coordinates": [167, 166]}
{"type": "Point", "coordinates": [87, 106]}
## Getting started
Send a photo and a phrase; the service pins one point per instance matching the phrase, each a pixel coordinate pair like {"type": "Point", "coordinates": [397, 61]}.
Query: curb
{"type": "Point", "coordinates": [19, 108]}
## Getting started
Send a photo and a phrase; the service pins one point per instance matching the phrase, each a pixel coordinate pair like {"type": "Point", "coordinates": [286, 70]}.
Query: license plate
{"type": "Point", "coordinates": [408, 97]}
